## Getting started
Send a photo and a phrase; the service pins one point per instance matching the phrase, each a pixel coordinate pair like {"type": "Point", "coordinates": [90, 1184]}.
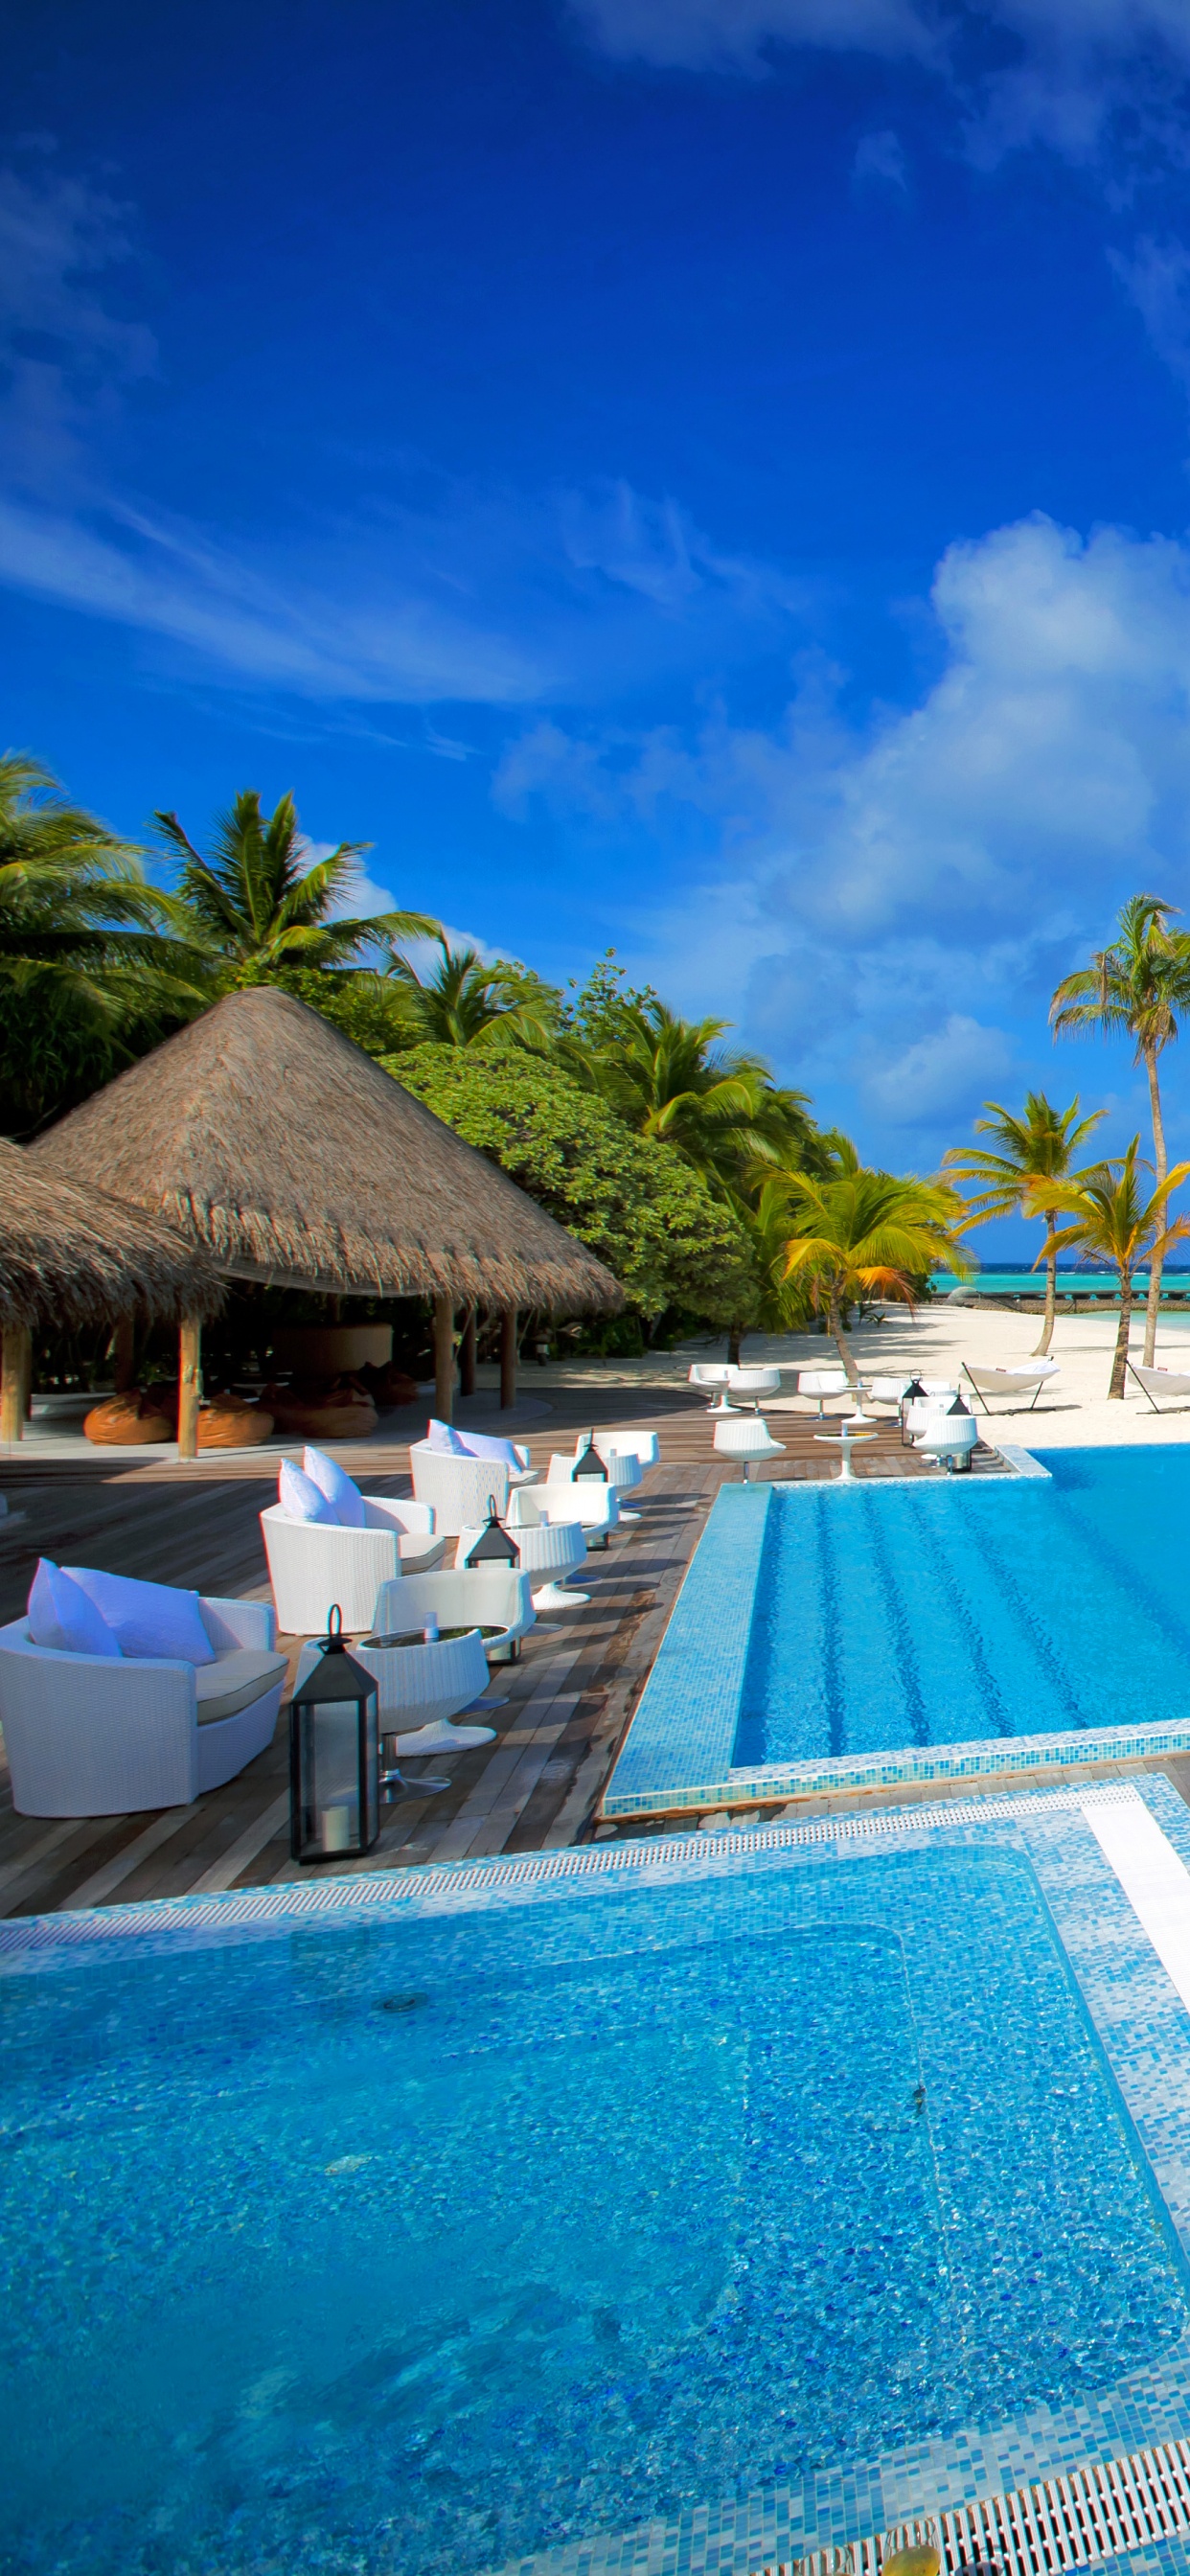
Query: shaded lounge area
{"type": "Point", "coordinates": [288, 1157]}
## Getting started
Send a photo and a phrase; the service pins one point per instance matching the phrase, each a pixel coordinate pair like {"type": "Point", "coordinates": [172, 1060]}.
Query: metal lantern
{"type": "Point", "coordinates": [493, 1545]}
{"type": "Point", "coordinates": [590, 1465]}
{"type": "Point", "coordinates": [960, 1463]}
{"type": "Point", "coordinates": [914, 1394]}
{"type": "Point", "coordinates": [334, 1756]}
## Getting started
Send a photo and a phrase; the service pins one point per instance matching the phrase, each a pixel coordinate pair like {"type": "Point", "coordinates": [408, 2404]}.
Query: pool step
{"type": "Point", "coordinates": [1069, 2521]}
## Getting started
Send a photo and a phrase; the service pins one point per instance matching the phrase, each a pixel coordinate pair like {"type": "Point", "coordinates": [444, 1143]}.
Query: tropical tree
{"type": "Point", "coordinates": [1135, 988]}
{"type": "Point", "coordinates": [84, 967]}
{"type": "Point", "coordinates": [252, 910]}
{"type": "Point", "coordinates": [676, 1249]}
{"type": "Point", "coordinates": [1036, 1149]}
{"type": "Point", "coordinates": [1112, 1217]}
{"type": "Point", "coordinates": [464, 999]}
{"type": "Point", "coordinates": [858, 1233]}
{"type": "Point", "coordinates": [673, 1079]}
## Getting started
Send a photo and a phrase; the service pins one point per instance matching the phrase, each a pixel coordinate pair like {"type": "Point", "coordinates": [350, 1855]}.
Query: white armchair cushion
{"type": "Point", "coordinates": [233, 1681]}
{"type": "Point", "coordinates": [151, 1619]}
{"type": "Point", "coordinates": [64, 1618]}
{"type": "Point", "coordinates": [301, 1499]}
{"type": "Point", "coordinates": [340, 1489]}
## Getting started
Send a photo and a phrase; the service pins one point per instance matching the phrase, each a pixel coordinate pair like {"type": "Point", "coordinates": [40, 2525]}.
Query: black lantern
{"type": "Point", "coordinates": [334, 1756]}
{"type": "Point", "coordinates": [590, 1465]}
{"type": "Point", "coordinates": [914, 1394]}
{"type": "Point", "coordinates": [493, 1545]}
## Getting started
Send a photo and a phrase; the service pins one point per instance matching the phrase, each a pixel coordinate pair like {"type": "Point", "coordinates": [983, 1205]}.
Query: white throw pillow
{"type": "Point", "coordinates": [301, 1499]}
{"type": "Point", "coordinates": [147, 1618]}
{"type": "Point", "coordinates": [63, 1617]}
{"type": "Point", "coordinates": [332, 1480]}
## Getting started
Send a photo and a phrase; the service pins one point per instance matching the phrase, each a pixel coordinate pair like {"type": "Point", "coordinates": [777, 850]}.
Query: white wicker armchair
{"type": "Point", "coordinates": [485, 1597]}
{"type": "Point", "coordinates": [313, 1564]}
{"type": "Point", "coordinates": [458, 1489]}
{"type": "Point", "coordinates": [90, 1735]}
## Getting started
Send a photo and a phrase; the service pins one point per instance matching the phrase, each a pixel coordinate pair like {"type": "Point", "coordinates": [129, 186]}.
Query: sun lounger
{"type": "Point", "coordinates": [1159, 1381]}
{"type": "Point", "coordinates": [1026, 1380]}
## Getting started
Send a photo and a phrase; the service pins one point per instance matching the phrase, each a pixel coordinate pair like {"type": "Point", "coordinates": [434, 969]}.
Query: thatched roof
{"type": "Point", "coordinates": [72, 1255]}
{"type": "Point", "coordinates": [294, 1158]}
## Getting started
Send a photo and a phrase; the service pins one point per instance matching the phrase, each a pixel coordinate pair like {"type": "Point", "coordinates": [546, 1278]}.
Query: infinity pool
{"type": "Point", "coordinates": [413, 2247]}
{"type": "Point", "coordinates": [926, 1615]}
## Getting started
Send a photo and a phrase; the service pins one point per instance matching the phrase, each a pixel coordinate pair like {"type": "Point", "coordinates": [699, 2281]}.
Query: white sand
{"type": "Point", "coordinates": [1073, 1411]}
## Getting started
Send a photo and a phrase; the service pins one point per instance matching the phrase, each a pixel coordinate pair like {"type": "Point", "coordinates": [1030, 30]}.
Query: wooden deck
{"type": "Point", "coordinates": [569, 1699]}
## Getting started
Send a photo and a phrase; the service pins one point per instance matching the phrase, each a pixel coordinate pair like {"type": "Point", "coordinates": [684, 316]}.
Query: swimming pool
{"type": "Point", "coordinates": [382, 2244]}
{"type": "Point", "coordinates": [899, 1631]}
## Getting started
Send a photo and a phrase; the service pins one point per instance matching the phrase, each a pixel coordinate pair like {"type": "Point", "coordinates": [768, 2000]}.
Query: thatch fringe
{"type": "Point", "coordinates": [271, 1139]}
{"type": "Point", "coordinates": [72, 1255]}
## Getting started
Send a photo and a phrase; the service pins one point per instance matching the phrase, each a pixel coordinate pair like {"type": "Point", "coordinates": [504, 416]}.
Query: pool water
{"type": "Point", "coordinates": [920, 1615]}
{"type": "Point", "coordinates": [412, 2247]}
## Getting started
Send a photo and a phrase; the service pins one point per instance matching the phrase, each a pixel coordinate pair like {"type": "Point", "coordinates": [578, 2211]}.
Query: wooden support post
{"type": "Point", "coordinates": [467, 1353]}
{"type": "Point", "coordinates": [189, 1385]}
{"type": "Point", "coordinates": [18, 1371]}
{"type": "Point", "coordinates": [508, 1344]}
{"type": "Point", "coordinates": [124, 1354]}
{"type": "Point", "coordinates": [444, 1357]}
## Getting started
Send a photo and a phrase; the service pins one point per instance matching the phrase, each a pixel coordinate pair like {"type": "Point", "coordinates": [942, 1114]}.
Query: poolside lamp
{"type": "Point", "coordinates": [493, 1545]}
{"type": "Point", "coordinates": [914, 1394]}
{"type": "Point", "coordinates": [590, 1466]}
{"type": "Point", "coordinates": [334, 1756]}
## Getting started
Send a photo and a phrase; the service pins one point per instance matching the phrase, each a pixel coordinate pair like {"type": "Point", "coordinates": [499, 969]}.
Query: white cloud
{"type": "Point", "coordinates": [945, 1075]}
{"type": "Point", "coordinates": [739, 34]}
{"type": "Point", "coordinates": [1157, 277]}
{"type": "Point", "coordinates": [63, 355]}
{"type": "Point", "coordinates": [891, 907]}
{"type": "Point", "coordinates": [881, 157]}
{"type": "Point", "coordinates": [1073, 67]}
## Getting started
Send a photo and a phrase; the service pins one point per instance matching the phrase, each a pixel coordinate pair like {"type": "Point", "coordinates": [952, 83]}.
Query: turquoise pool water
{"type": "Point", "coordinates": [410, 2247]}
{"type": "Point", "coordinates": [917, 1615]}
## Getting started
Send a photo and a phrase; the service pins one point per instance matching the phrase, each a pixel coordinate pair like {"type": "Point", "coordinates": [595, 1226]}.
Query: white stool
{"type": "Point", "coordinates": [749, 1438]}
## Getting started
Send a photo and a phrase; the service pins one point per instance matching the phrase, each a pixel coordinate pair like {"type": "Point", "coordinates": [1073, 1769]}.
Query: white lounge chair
{"type": "Point", "coordinates": [712, 1378]}
{"type": "Point", "coordinates": [949, 1437]}
{"type": "Point", "coordinates": [751, 1384]}
{"type": "Point", "coordinates": [821, 1383]}
{"type": "Point", "coordinates": [585, 1499]}
{"type": "Point", "coordinates": [313, 1564]}
{"type": "Point", "coordinates": [420, 1688]}
{"type": "Point", "coordinates": [642, 1445]}
{"type": "Point", "coordinates": [93, 1735]}
{"type": "Point", "coordinates": [1158, 1381]}
{"type": "Point", "coordinates": [481, 1596]}
{"type": "Point", "coordinates": [889, 1390]}
{"type": "Point", "coordinates": [458, 1489]}
{"type": "Point", "coordinates": [747, 1438]}
{"type": "Point", "coordinates": [1028, 1379]}
{"type": "Point", "coordinates": [555, 1549]}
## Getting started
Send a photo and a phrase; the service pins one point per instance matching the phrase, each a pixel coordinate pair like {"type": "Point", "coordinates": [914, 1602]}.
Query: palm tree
{"type": "Point", "coordinates": [1035, 1148]}
{"type": "Point", "coordinates": [83, 964]}
{"type": "Point", "coordinates": [464, 999]}
{"type": "Point", "coordinates": [252, 910]}
{"type": "Point", "coordinates": [858, 1233]}
{"type": "Point", "coordinates": [1113, 1219]}
{"type": "Point", "coordinates": [1137, 988]}
{"type": "Point", "coordinates": [673, 1079]}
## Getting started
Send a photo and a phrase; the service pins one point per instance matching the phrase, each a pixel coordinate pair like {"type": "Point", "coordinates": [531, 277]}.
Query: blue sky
{"type": "Point", "coordinates": [703, 476]}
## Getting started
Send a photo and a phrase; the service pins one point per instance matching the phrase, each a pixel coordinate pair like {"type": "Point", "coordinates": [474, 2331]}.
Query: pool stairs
{"type": "Point", "coordinates": [1101, 2511]}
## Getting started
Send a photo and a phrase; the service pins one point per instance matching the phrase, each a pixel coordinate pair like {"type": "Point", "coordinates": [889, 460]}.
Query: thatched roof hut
{"type": "Point", "coordinates": [271, 1139]}
{"type": "Point", "coordinates": [72, 1255]}
{"type": "Point", "coordinates": [291, 1156]}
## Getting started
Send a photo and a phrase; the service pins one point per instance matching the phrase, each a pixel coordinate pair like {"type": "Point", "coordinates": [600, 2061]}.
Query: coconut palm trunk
{"type": "Point", "coordinates": [1051, 1289]}
{"type": "Point", "coordinates": [1160, 1170]}
{"type": "Point", "coordinates": [1120, 1361]}
{"type": "Point", "coordinates": [834, 1325]}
